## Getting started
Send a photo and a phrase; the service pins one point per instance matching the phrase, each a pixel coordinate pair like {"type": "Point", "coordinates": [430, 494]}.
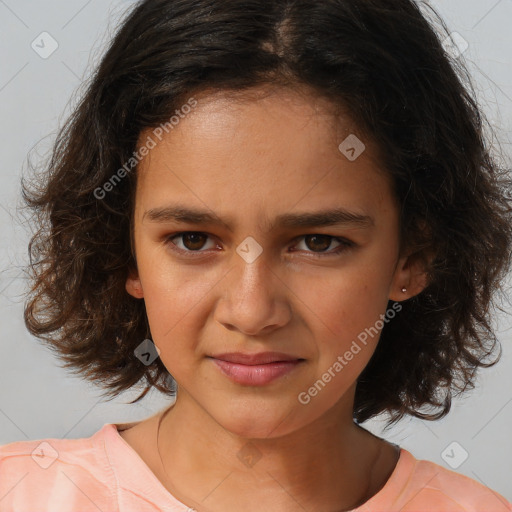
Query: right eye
{"type": "Point", "coordinates": [191, 241]}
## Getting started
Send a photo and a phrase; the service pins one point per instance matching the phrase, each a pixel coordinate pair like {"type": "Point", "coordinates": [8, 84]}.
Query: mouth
{"type": "Point", "coordinates": [255, 369]}
{"type": "Point", "coordinates": [255, 359]}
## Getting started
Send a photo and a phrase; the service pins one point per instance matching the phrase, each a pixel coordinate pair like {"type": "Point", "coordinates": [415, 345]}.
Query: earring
{"type": "Point", "coordinates": [404, 289]}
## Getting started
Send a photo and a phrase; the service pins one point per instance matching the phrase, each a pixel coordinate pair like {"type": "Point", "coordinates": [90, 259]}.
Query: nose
{"type": "Point", "coordinates": [254, 299]}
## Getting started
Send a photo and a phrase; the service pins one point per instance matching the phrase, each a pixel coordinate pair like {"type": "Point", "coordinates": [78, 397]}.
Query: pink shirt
{"type": "Point", "coordinates": [103, 473]}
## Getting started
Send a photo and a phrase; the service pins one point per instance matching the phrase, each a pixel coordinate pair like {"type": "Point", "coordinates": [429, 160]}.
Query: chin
{"type": "Point", "coordinates": [253, 422]}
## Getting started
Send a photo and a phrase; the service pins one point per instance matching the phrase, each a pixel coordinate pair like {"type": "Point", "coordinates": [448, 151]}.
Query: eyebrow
{"type": "Point", "coordinates": [331, 217]}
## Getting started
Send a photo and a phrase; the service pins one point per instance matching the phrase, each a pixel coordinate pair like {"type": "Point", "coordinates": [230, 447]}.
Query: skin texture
{"type": "Point", "coordinates": [247, 162]}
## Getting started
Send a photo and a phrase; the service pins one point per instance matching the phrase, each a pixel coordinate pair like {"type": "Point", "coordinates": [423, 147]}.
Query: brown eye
{"type": "Point", "coordinates": [191, 241]}
{"type": "Point", "coordinates": [318, 243]}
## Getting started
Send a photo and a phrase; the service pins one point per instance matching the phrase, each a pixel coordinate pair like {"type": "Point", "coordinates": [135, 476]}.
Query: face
{"type": "Point", "coordinates": [261, 268]}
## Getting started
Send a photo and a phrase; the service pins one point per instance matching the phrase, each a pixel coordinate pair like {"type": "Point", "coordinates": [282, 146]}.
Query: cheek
{"type": "Point", "coordinates": [344, 301]}
{"type": "Point", "coordinates": [345, 323]}
{"type": "Point", "coordinates": [175, 316]}
{"type": "Point", "coordinates": [344, 311]}
{"type": "Point", "coordinates": [173, 296]}
{"type": "Point", "coordinates": [173, 303]}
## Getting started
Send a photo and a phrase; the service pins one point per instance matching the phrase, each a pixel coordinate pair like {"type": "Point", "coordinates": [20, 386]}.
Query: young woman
{"type": "Point", "coordinates": [285, 214]}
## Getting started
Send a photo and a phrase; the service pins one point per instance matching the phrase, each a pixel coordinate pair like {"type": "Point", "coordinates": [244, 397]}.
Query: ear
{"type": "Point", "coordinates": [133, 285]}
{"type": "Point", "coordinates": [411, 274]}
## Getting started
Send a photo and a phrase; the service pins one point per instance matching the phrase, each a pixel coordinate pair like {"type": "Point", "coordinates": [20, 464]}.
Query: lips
{"type": "Point", "coordinates": [256, 369]}
{"type": "Point", "coordinates": [254, 359]}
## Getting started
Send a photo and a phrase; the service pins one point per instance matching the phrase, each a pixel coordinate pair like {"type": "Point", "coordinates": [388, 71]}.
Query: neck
{"type": "Point", "coordinates": [331, 463]}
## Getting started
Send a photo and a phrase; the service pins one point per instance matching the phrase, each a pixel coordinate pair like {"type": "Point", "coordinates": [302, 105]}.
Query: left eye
{"type": "Point", "coordinates": [322, 242]}
{"type": "Point", "coordinates": [193, 241]}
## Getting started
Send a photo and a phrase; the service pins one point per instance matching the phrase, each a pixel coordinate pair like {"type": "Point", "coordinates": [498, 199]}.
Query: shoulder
{"type": "Point", "coordinates": [430, 486]}
{"type": "Point", "coordinates": [57, 475]}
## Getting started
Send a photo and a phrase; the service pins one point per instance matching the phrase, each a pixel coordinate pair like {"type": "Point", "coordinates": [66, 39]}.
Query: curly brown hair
{"type": "Point", "coordinates": [383, 62]}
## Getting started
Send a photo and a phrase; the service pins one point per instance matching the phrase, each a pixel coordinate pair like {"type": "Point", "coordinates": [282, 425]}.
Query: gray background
{"type": "Point", "coordinates": [39, 399]}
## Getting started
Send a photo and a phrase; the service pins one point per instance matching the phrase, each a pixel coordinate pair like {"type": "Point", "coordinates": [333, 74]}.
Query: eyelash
{"type": "Point", "coordinates": [345, 244]}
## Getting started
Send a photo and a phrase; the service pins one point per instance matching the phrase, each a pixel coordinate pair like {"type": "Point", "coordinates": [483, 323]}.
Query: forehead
{"type": "Point", "coordinates": [254, 151]}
